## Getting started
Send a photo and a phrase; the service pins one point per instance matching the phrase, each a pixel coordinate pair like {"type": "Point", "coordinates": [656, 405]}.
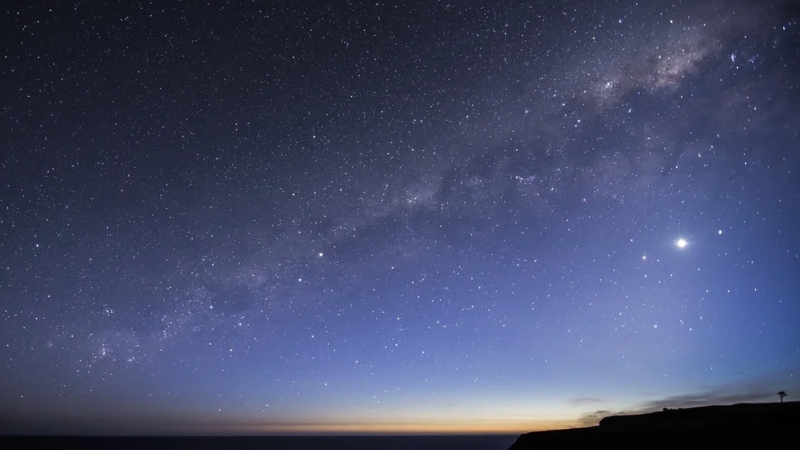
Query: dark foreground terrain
{"type": "Point", "coordinates": [716, 426]}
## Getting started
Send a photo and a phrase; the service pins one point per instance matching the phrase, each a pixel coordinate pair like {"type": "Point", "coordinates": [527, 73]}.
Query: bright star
{"type": "Point", "coordinates": [681, 243]}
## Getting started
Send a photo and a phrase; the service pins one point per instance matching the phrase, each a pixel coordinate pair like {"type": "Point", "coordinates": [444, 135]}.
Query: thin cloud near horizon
{"type": "Point", "coordinates": [728, 395]}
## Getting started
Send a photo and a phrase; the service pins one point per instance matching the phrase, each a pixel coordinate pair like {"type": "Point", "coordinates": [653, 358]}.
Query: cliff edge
{"type": "Point", "coordinates": [713, 425]}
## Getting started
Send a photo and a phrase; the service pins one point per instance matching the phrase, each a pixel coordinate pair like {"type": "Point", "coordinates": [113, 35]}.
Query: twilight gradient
{"type": "Point", "coordinates": [465, 216]}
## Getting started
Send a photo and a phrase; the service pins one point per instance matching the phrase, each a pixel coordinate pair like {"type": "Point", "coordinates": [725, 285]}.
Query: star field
{"type": "Point", "coordinates": [282, 217]}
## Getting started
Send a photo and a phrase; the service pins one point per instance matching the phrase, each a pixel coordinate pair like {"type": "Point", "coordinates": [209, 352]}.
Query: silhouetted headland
{"type": "Point", "coordinates": [712, 425]}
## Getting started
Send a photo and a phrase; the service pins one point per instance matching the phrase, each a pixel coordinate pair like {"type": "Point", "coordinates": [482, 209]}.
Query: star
{"type": "Point", "coordinates": [681, 243]}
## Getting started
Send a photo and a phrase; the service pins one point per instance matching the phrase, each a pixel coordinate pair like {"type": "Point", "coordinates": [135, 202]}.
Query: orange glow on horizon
{"type": "Point", "coordinates": [466, 427]}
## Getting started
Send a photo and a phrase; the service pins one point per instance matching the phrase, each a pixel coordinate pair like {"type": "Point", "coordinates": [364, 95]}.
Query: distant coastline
{"type": "Point", "coordinates": [713, 425]}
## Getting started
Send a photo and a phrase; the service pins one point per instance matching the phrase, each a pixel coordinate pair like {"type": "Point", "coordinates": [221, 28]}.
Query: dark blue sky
{"type": "Point", "coordinates": [394, 216]}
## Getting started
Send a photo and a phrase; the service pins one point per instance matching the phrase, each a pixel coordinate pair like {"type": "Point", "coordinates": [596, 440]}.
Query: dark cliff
{"type": "Point", "coordinates": [712, 425]}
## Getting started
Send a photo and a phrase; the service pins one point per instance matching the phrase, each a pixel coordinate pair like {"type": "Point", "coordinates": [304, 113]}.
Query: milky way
{"type": "Point", "coordinates": [278, 217]}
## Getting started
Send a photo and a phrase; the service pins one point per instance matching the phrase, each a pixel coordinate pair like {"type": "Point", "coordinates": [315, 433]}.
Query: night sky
{"type": "Point", "coordinates": [432, 216]}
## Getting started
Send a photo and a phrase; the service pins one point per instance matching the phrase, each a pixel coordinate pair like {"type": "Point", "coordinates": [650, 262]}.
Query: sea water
{"type": "Point", "coordinates": [404, 442]}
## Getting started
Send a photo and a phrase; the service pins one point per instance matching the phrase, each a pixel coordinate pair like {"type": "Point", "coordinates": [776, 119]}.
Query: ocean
{"type": "Point", "coordinates": [405, 442]}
